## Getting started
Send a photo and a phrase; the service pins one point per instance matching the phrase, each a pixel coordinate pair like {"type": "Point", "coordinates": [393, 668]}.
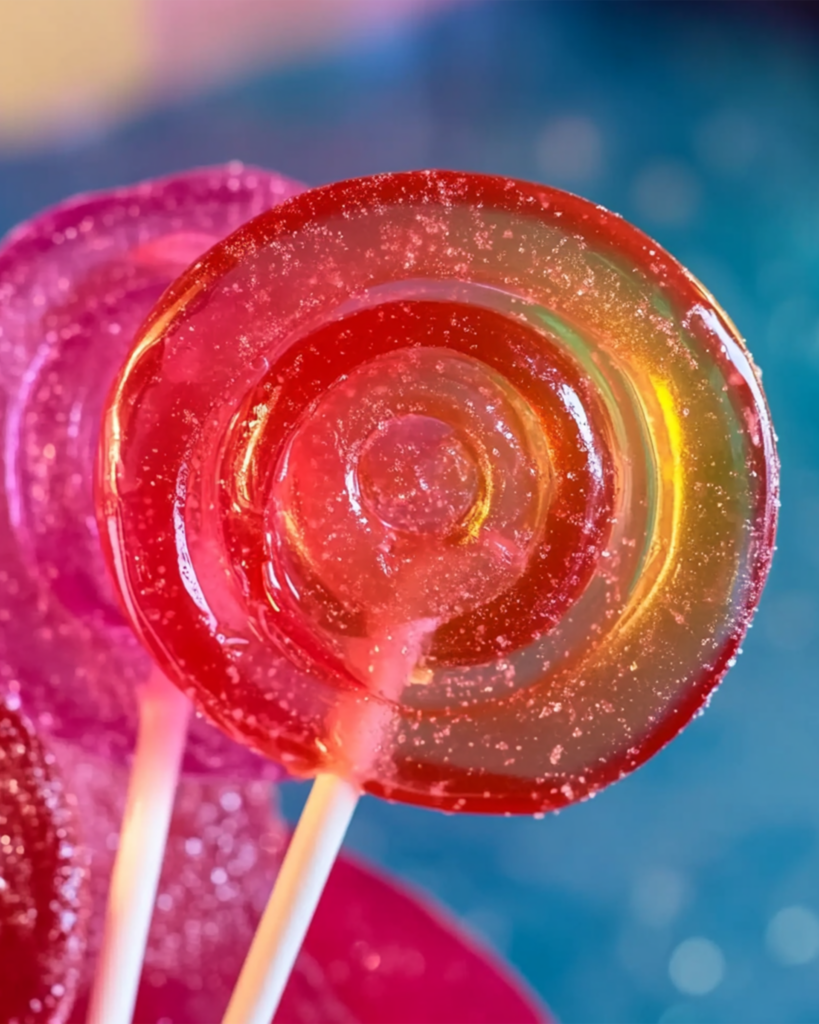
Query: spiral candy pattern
{"type": "Point", "coordinates": [457, 485]}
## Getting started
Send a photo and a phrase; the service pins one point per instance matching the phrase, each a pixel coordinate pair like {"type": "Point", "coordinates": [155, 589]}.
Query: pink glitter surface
{"type": "Point", "coordinates": [75, 284]}
{"type": "Point", "coordinates": [43, 880]}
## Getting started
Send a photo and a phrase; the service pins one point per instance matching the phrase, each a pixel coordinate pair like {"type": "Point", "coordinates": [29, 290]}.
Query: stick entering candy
{"type": "Point", "coordinates": [456, 487]}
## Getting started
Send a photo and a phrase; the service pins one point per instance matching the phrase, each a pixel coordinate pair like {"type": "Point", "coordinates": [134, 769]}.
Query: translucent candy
{"type": "Point", "coordinates": [374, 953]}
{"type": "Point", "coordinates": [43, 883]}
{"type": "Point", "coordinates": [455, 485]}
{"type": "Point", "coordinates": [75, 284]}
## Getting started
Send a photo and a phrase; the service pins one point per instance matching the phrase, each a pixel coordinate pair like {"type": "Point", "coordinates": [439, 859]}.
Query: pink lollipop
{"type": "Point", "coordinates": [75, 284]}
{"type": "Point", "coordinates": [42, 880]}
{"type": "Point", "coordinates": [374, 952]}
{"type": "Point", "coordinates": [387, 956]}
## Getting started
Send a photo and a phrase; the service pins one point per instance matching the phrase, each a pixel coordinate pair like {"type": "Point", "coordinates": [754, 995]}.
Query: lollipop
{"type": "Point", "coordinates": [42, 880]}
{"type": "Point", "coordinates": [373, 953]}
{"type": "Point", "coordinates": [480, 460]}
{"type": "Point", "coordinates": [75, 284]}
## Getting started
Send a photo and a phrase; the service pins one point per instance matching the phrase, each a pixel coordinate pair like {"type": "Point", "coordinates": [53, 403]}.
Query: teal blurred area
{"type": "Point", "coordinates": [689, 892]}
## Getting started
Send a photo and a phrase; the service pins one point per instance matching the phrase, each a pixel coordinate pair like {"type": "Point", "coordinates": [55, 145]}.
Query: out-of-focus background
{"type": "Point", "coordinates": [689, 892]}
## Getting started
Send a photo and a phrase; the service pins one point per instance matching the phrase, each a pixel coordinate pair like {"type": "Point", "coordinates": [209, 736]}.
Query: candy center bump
{"type": "Point", "coordinates": [414, 488]}
{"type": "Point", "coordinates": [417, 475]}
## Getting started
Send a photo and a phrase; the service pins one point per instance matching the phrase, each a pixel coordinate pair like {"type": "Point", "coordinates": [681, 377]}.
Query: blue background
{"type": "Point", "coordinates": [701, 124]}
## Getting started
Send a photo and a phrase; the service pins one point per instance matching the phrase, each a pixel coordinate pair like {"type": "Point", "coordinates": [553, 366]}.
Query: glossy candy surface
{"type": "Point", "coordinates": [43, 883]}
{"type": "Point", "coordinates": [75, 284]}
{"type": "Point", "coordinates": [374, 953]}
{"type": "Point", "coordinates": [459, 486]}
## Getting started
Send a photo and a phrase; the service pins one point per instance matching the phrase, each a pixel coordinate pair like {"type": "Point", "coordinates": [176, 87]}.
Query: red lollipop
{"type": "Point", "coordinates": [454, 488]}
{"type": "Point", "coordinates": [43, 892]}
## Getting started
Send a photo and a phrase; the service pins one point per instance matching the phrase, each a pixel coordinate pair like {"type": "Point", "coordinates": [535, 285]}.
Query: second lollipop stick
{"type": "Point", "coordinates": [309, 860]}
{"type": "Point", "coordinates": [163, 726]}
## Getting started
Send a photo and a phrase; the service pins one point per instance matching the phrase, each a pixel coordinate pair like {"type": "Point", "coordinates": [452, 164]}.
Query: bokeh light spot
{"type": "Point", "coordinates": [570, 149]}
{"type": "Point", "coordinates": [697, 966]}
{"type": "Point", "coordinates": [666, 193]}
{"type": "Point", "coordinates": [658, 897]}
{"type": "Point", "coordinates": [792, 937]}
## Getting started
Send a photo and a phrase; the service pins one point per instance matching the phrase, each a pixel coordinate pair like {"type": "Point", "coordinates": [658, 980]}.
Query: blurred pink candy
{"type": "Point", "coordinates": [223, 851]}
{"type": "Point", "coordinates": [75, 283]}
{"type": "Point", "coordinates": [388, 956]}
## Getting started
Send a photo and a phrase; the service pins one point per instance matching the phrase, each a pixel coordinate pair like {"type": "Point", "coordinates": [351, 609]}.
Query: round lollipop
{"type": "Point", "coordinates": [43, 890]}
{"type": "Point", "coordinates": [478, 458]}
{"type": "Point", "coordinates": [76, 283]}
{"type": "Point", "coordinates": [374, 953]}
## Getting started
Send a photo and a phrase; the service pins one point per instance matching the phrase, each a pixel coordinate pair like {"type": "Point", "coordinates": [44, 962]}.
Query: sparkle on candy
{"type": "Point", "coordinates": [43, 882]}
{"type": "Point", "coordinates": [459, 486]}
{"type": "Point", "coordinates": [75, 284]}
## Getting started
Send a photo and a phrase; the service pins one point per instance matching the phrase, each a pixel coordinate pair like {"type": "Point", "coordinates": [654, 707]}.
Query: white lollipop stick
{"type": "Point", "coordinates": [307, 864]}
{"type": "Point", "coordinates": [320, 832]}
{"type": "Point", "coordinates": [163, 725]}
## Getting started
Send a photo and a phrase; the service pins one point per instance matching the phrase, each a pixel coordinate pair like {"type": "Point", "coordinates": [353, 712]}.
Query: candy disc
{"type": "Point", "coordinates": [43, 885]}
{"type": "Point", "coordinates": [75, 284]}
{"type": "Point", "coordinates": [456, 485]}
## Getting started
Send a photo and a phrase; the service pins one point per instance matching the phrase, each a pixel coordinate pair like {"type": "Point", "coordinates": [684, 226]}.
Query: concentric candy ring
{"type": "Point", "coordinates": [478, 457]}
{"type": "Point", "coordinates": [76, 282]}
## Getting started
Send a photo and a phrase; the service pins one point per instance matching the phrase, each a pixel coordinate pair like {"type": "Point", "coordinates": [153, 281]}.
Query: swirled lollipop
{"type": "Point", "coordinates": [75, 284]}
{"type": "Point", "coordinates": [42, 880]}
{"type": "Point", "coordinates": [477, 457]}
